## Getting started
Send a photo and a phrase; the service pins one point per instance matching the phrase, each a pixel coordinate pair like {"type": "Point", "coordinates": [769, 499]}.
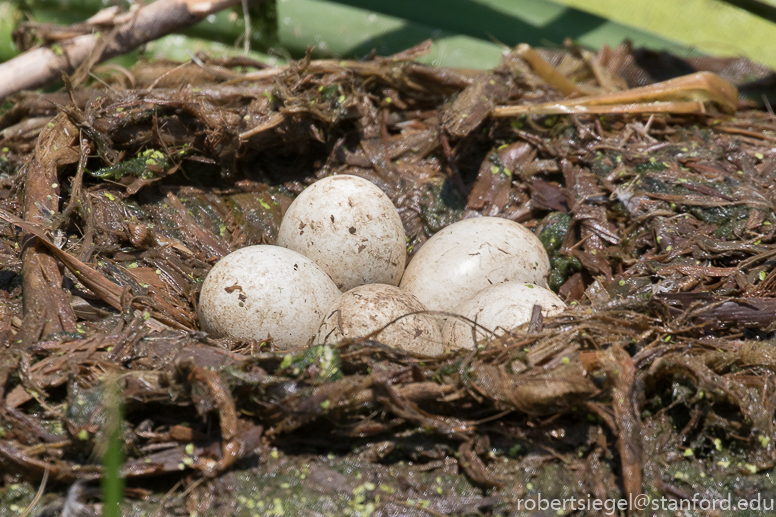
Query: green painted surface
{"type": "Point", "coordinates": [9, 15]}
{"type": "Point", "coordinates": [466, 33]}
{"type": "Point", "coordinates": [712, 26]}
{"type": "Point", "coordinates": [511, 22]}
{"type": "Point", "coordinates": [339, 30]}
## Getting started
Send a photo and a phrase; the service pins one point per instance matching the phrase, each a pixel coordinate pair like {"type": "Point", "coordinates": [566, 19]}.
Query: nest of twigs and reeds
{"type": "Point", "coordinates": [117, 198]}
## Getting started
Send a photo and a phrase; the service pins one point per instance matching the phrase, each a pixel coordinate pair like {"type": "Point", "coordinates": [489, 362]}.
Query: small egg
{"type": "Point", "coordinates": [265, 291]}
{"type": "Point", "coordinates": [368, 308]}
{"type": "Point", "coordinates": [498, 309]}
{"type": "Point", "coordinates": [466, 257]}
{"type": "Point", "coordinates": [350, 228]}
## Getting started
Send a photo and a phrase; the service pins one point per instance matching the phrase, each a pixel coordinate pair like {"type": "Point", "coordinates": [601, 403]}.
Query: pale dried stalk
{"type": "Point", "coordinates": [686, 94]}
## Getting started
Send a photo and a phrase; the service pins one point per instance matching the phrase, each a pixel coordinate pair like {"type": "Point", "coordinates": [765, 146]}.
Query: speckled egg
{"type": "Point", "coordinates": [498, 309]}
{"type": "Point", "coordinates": [466, 257]}
{"type": "Point", "coordinates": [350, 228]}
{"type": "Point", "coordinates": [395, 313]}
{"type": "Point", "coordinates": [259, 292]}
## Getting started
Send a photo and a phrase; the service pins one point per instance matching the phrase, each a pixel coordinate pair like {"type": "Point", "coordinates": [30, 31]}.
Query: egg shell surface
{"type": "Point", "coordinates": [262, 291]}
{"type": "Point", "coordinates": [350, 228]}
{"type": "Point", "coordinates": [464, 258]}
{"type": "Point", "coordinates": [368, 308]}
{"type": "Point", "coordinates": [498, 309]}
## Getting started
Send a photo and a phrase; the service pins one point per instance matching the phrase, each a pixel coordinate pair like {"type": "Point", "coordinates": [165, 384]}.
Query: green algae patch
{"type": "Point", "coordinates": [323, 359]}
{"type": "Point", "coordinates": [15, 498]}
{"type": "Point", "coordinates": [440, 206]}
{"type": "Point", "coordinates": [147, 165]}
{"type": "Point", "coordinates": [345, 485]}
{"type": "Point", "coordinates": [551, 232]}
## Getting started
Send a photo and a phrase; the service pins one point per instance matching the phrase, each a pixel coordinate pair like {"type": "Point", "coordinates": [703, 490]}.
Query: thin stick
{"type": "Point", "coordinates": [247, 20]}
{"type": "Point", "coordinates": [38, 495]}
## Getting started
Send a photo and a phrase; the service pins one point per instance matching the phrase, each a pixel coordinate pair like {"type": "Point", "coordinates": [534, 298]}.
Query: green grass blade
{"type": "Point", "coordinates": [9, 16]}
{"type": "Point", "coordinates": [113, 459]}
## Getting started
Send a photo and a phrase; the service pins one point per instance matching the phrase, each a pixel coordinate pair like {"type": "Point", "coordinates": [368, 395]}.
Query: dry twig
{"type": "Point", "coordinates": [41, 66]}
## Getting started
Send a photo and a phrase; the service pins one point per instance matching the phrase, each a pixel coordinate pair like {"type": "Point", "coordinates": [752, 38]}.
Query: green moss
{"type": "Point", "coordinates": [329, 92]}
{"type": "Point", "coordinates": [604, 163]}
{"type": "Point", "coordinates": [498, 166]}
{"type": "Point", "coordinates": [137, 166]}
{"type": "Point", "coordinates": [551, 231]}
{"type": "Point", "coordinates": [15, 498]}
{"type": "Point", "coordinates": [441, 206]}
{"type": "Point", "coordinates": [728, 219]}
{"type": "Point", "coordinates": [651, 165]}
{"type": "Point", "coordinates": [325, 358]}
{"type": "Point", "coordinates": [656, 186]}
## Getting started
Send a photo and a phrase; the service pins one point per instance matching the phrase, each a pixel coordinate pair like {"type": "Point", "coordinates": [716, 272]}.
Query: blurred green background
{"type": "Point", "coordinates": [466, 33]}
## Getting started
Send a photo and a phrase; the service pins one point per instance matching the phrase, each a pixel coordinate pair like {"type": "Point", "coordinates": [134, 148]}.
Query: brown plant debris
{"type": "Point", "coordinates": [656, 206]}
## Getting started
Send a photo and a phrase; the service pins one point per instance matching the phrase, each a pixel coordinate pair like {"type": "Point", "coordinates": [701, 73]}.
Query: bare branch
{"type": "Point", "coordinates": [41, 66]}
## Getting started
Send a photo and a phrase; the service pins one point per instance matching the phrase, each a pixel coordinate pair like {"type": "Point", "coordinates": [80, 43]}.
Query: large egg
{"type": "Point", "coordinates": [466, 257]}
{"type": "Point", "coordinates": [350, 228]}
{"type": "Point", "coordinates": [498, 309]}
{"type": "Point", "coordinates": [384, 308]}
{"type": "Point", "coordinates": [266, 291]}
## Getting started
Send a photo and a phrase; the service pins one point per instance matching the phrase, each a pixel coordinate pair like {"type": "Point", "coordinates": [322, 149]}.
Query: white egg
{"type": "Point", "coordinates": [498, 309]}
{"type": "Point", "coordinates": [266, 291]}
{"type": "Point", "coordinates": [350, 228]}
{"type": "Point", "coordinates": [466, 257]}
{"type": "Point", "coordinates": [379, 307]}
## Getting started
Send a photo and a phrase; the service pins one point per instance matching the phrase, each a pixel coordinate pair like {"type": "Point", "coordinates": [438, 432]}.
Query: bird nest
{"type": "Point", "coordinates": [655, 204]}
